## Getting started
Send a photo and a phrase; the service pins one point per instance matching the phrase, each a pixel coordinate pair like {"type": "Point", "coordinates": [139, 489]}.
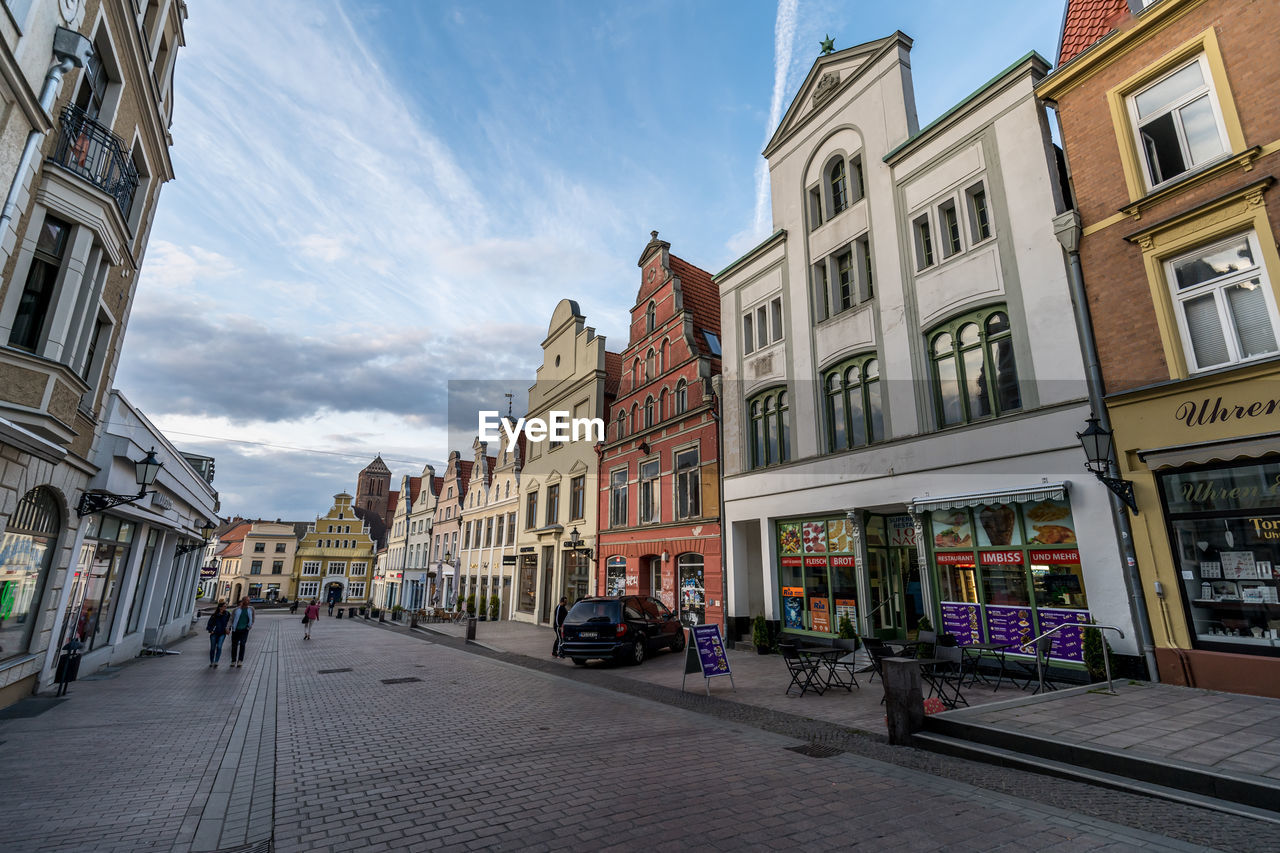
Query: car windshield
{"type": "Point", "coordinates": [593, 611]}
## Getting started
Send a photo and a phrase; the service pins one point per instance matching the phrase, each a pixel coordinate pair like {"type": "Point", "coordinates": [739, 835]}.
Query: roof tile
{"type": "Point", "coordinates": [1085, 23]}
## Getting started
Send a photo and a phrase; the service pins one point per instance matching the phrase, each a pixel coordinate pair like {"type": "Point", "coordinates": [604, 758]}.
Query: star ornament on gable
{"type": "Point", "coordinates": [828, 45]}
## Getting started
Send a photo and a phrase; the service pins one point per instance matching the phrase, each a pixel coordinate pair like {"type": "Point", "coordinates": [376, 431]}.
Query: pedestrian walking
{"type": "Point", "coordinates": [562, 613]}
{"type": "Point", "coordinates": [309, 617]}
{"type": "Point", "coordinates": [241, 623]}
{"type": "Point", "coordinates": [293, 607]}
{"type": "Point", "coordinates": [218, 626]}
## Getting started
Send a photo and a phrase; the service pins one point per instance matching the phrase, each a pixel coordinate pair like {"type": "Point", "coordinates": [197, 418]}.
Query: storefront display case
{"type": "Point", "coordinates": [817, 576]}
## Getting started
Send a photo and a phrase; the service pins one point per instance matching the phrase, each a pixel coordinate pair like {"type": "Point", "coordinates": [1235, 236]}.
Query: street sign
{"type": "Point", "coordinates": [705, 654]}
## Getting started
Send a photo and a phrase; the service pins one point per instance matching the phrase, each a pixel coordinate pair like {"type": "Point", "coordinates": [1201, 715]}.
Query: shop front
{"type": "Point", "coordinates": [683, 573]}
{"type": "Point", "coordinates": [817, 574]}
{"type": "Point", "coordinates": [526, 581]}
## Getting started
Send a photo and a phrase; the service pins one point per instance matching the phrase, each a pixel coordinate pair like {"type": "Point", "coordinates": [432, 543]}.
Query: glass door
{"type": "Point", "coordinates": [910, 593]}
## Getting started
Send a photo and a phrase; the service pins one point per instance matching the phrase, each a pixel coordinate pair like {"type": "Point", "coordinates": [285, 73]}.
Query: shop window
{"type": "Point", "coordinates": [29, 538]}
{"type": "Point", "coordinates": [103, 560]}
{"type": "Point", "coordinates": [1224, 528]}
{"type": "Point", "coordinates": [145, 568]}
{"type": "Point", "coordinates": [650, 510]}
{"type": "Point", "coordinates": [688, 484]}
{"type": "Point", "coordinates": [692, 589]}
{"type": "Point", "coordinates": [974, 373]}
{"type": "Point", "coordinates": [854, 412]}
{"type": "Point", "coordinates": [770, 436]}
{"type": "Point", "coordinates": [1177, 123]}
{"type": "Point", "coordinates": [615, 581]}
{"type": "Point", "coordinates": [618, 498]}
{"type": "Point", "coordinates": [1225, 306]}
{"type": "Point", "coordinates": [42, 278]}
{"type": "Point", "coordinates": [816, 574]}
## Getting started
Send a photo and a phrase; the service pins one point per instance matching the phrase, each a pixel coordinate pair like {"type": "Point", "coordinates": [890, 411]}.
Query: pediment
{"type": "Point", "coordinates": [578, 467]}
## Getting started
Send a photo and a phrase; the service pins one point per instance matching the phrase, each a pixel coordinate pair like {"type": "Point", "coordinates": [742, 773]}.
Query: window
{"type": "Point", "coordinates": [1178, 126]}
{"type": "Point", "coordinates": [29, 538]}
{"type": "Point", "coordinates": [650, 512]}
{"type": "Point", "coordinates": [648, 412]}
{"type": "Point", "coordinates": [767, 323]}
{"type": "Point", "coordinates": [511, 528]}
{"type": "Point", "coordinates": [337, 568]}
{"type": "Point", "coordinates": [578, 497]}
{"type": "Point", "coordinates": [308, 589]}
{"type": "Point", "coordinates": [279, 547]}
{"type": "Point", "coordinates": [862, 254]}
{"type": "Point", "coordinates": [688, 487]}
{"type": "Point", "coordinates": [762, 327]}
{"type": "Point", "coordinates": [259, 547]}
{"type": "Point", "coordinates": [650, 317]}
{"type": "Point", "coordinates": [311, 567]}
{"type": "Point", "coordinates": [488, 532]}
{"type": "Point", "coordinates": [355, 590]}
{"type": "Point", "coordinates": [622, 425]}
{"type": "Point", "coordinates": [924, 243]}
{"type": "Point", "coordinates": [854, 412]}
{"type": "Point", "coordinates": [502, 521]}
{"type": "Point", "coordinates": [950, 229]}
{"type": "Point", "coordinates": [973, 368]}
{"type": "Point", "coordinates": [821, 290]}
{"type": "Point", "coordinates": [775, 318]}
{"type": "Point", "coordinates": [466, 536]}
{"type": "Point", "coordinates": [748, 335]}
{"type": "Point", "coordinates": [437, 546]}
{"type": "Point", "coordinates": [844, 280]}
{"type": "Point", "coordinates": [255, 567]}
{"type": "Point", "coordinates": [815, 207]}
{"type": "Point", "coordinates": [618, 498]}
{"type": "Point", "coordinates": [650, 363]}
{"type": "Point", "coordinates": [42, 279]}
{"type": "Point", "coordinates": [1225, 306]}
{"type": "Point", "coordinates": [681, 397]}
{"type": "Point", "coordinates": [358, 569]}
{"type": "Point", "coordinates": [531, 511]}
{"type": "Point", "coordinates": [663, 362]}
{"type": "Point", "coordinates": [839, 186]}
{"type": "Point", "coordinates": [856, 189]}
{"type": "Point", "coordinates": [553, 504]}
{"type": "Point", "coordinates": [277, 566]}
{"type": "Point", "coordinates": [770, 434]}
{"type": "Point", "coordinates": [664, 408]}
{"type": "Point", "coordinates": [979, 218]}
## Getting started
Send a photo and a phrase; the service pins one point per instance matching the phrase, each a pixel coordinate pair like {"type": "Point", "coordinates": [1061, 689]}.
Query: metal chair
{"type": "Point", "coordinates": [844, 667]}
{"type": "Point", "coordinates": [804, 671]}
{"type": "Point", "coordinates": [946, 676]}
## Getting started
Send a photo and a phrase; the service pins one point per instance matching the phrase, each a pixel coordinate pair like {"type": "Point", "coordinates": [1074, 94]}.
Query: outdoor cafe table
{"type": "Point", "coordinates": [975, 652]}
{"type": "Point", "coordinates": [828, 656]}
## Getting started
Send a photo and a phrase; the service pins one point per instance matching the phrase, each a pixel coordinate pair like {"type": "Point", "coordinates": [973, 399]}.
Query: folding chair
{"type": "Point", "coordinates": [844, 667]}
{"type": "Point", "coordinates": [876, 650]}
{"type": "Point", "coordinates": [804, 671]}
{"type": "Point", "coordinates": [922, 647]}
{"type": "Point", "coordinates": [946, 676]}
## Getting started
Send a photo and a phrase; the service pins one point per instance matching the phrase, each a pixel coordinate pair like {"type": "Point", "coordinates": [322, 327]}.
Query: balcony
{"type": "Point", "coordinates": [88, 149]}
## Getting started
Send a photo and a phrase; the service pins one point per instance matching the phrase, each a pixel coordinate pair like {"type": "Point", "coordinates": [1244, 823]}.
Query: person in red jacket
{"type": "Point", "coordinates": [309, 617]}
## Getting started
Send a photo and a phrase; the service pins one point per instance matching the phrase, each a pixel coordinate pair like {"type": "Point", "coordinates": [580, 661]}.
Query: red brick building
{"type": "Point", "coordinates": [660, 465]}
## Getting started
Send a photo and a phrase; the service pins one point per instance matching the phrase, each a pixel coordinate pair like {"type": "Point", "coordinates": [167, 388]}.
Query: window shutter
{"type": "Point", "coordinates": [1205, 330]}
{"type": "Point", "coordinates": [1253, 323]}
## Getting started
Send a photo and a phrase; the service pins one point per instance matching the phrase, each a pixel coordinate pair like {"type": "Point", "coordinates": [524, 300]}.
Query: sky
{"type": "Point", "coordinates": [373, 199]}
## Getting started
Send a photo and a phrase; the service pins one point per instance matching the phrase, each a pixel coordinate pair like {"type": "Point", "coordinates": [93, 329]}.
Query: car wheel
{"type": "Point", "coordinates": [637, 653]}
{"type": "Point", "coordinates": [579, 661]}
{"type": "Point", "coordinates": [677, 644]}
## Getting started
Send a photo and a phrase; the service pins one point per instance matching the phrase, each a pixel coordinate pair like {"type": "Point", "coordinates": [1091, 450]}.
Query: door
{"type": "Point", "coordinates": [910, 591]}
{"type": "Point", "coordinates": [548, 572]}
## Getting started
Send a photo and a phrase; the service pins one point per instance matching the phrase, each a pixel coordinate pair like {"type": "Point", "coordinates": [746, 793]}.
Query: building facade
{"type": "Point", "coordinates": [489, 527]}
{"type": "Point", "coordinates": [446, 531]}
{"type": "Point", "coordinates": [658, 489]}
{"type": "Point", "coordinates": [334, 561]}
{"type": "Point", "coordinates": [266, 569]}
{"type": "Point", "coordinates": [580, 379]}
{"type": "Point", "coordinates": [231, 585]}
{"type": "Point", "coordinates": [419, 570]}
{"type": "Point", "coordinates": [1168, 120]}
{"type": "Point", "coordinates": [902, 395]}
{"type": "Point", "coordinates": [84, 146]}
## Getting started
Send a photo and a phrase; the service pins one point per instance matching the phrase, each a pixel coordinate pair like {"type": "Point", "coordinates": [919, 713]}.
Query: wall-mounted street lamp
{"type": "Point", "coordinates": [575, 542]}
{"type": "Point", "coordinates": [1097, 443]}
{"type": "Point", "coordinates": [145, 471]}
{"type": "Point", "coordinates": [206, 531]}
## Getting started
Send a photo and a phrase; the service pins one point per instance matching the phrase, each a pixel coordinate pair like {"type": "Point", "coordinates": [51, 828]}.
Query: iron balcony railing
{"type": "Point", "coordinates": [93, 152]}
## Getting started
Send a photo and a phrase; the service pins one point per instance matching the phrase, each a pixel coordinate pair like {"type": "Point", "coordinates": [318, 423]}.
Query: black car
{"type": "Point", "coordinates": [623, 628]}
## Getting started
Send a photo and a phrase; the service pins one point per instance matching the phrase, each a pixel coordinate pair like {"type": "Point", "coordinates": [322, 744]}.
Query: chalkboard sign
{"type": "Point", "coordinates": [706, 655]}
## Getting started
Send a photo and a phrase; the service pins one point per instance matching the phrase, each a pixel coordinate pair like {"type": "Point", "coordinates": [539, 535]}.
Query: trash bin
{"type": "Point", "coordinates": [351, 613]}
{"type": "Point", "coordinates": [68, 666]}
{"type": "Point", "coordinates": [338, 612]}
{"type": "Point", "coordinates": [471, 627]}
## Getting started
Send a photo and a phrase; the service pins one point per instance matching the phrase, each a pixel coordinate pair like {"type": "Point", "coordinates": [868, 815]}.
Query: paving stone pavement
{"type": "Point", "coordinates": [473, 753]}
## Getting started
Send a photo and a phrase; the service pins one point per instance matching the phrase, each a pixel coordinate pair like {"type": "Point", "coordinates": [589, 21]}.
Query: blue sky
{"type": "Point", "coordinates": [375, 198]}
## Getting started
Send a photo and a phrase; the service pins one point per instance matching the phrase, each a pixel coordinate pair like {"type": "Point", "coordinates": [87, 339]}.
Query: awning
{"type": "Point", "coordinates": [1205, 452]}
{"type": "Point", "coordinates": [1027, 494]}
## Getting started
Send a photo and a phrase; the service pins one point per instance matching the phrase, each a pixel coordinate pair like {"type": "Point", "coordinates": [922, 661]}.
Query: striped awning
{"type": "Point", "coordinates": [1027, 494]}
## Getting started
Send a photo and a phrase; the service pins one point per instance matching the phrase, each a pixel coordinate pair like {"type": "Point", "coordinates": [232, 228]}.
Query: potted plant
{"type": "Point", "coordinates": [848, 637]}
{"type": "Point", "coordinates": [396, 610]}
{"type": "Point", "coordinates": [471, 604]}
{"type": "Point", "coordinates": [494, 605]}
{"type": "Point", "coordinates": [760, 635]}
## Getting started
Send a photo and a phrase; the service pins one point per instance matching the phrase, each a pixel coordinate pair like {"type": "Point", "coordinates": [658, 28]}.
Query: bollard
{"type": "Point", "coordinates": [903, 699]}
{"type": "Point", "coordinates": [339, 613]}
{"type": "Point", "coordinates": [471, 628]}
{"type": "Point", "coordinates": [351, 613]}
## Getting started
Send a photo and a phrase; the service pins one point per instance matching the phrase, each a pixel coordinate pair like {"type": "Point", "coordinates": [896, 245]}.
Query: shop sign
{"type": "Point", "coordinates": [902, 531]}
{"type": "Point", "coordinates": [1195, 414]}
{"type": "Point", "coordinates": [815, 562]}
{"type": "Point", "coordinates": [1000, 558]}
{"type": "Point", "coordinates": [791, 561]}
{"type": "Point", "coordinates": [842, 562]}
{"type": "Point", "coordinates": [818, 616]}
{"type": "Point", "coordinates": [1266, 528]}
{"type": "Point", "coordinates": [1052, 557]}
{"type": "Point", "coordinates": [706, 655]}
{"type": "Point", "coordinates": [792, 592]}
{"type": "Point", "coordinates": [965, 559]}
{"type": "Point", "coordinates": [205, 573]}
{"type": "Point", "coordinates": [509, 560]}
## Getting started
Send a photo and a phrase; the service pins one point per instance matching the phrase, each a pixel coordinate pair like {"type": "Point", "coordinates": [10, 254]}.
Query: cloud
{"type": "Point", "coordinates": [784, 35]}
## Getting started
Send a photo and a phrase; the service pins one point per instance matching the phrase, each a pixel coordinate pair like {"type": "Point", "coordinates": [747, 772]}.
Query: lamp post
{"type": "Point", "coordinates": [206, 530]}
{"type": "Point", "coordinates": [1097, 443]}
{"type": "Point", "coordinates": [575, 542]}
{"type": "Point", "coordinates": [144, 471]}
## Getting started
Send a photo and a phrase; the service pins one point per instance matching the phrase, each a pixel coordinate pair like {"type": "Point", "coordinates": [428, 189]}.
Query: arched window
{"type": "Point", "coordinates": [648, 412]}
{"type": "Point", "coordinates": [839, 184]}
{"type": "Point", "coordinates": [30, 539]}
{"type": "Point", "coordinates": [650, 365]}
{"type": "Point", "coordinates": [973, 367]}
{"type": "Point", "coordinates": [636, 376]}
{"type": "Point", "coordinates": [854, 411]}
{"type": "Point", "coordinates": [663, 364]}
{"type": "Point", "coordinates": [622, 425]}
{"type": "Point", "coordinates": [682, 397]}
{"type": "Point", "coordinates": [635, 417]}
{"type": "Point", "coordinates": [770, 430]}
{"type": "Point", "coordinates": [663, 411]}
{"type": "Point", "coordinates": [650, 317]}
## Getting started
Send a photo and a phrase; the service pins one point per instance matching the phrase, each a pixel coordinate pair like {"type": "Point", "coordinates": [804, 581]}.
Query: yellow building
{"type": "Point", "coordinates": [334, 561]}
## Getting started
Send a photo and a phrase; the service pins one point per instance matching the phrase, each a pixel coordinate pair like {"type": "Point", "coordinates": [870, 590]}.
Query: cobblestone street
{"type": "Point", "coordinates": [364, 738]}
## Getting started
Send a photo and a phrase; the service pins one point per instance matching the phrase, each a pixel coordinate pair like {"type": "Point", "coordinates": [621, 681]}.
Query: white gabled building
{"type": "Point", "coordinates": [903, 378]}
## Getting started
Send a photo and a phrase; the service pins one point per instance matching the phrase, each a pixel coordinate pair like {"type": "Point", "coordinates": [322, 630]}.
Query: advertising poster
{"type": "Point", "coordinates": [793, 607]}
{"type": "Point", "coordinates": [997, 524]}
{"type": "Point", "coordinates": [1068, 644]}
{"type": "Point", "coordinates": [847, 607]}
{"type": "Point", "coordinates": [710, 650]}
{"type": "Point", "coordinates": [819, 615]}
{"type": "Point", "coordinates": [951, 529]}
{"type": "Point", "coordinates": [1008, 624]}
{"type": "Point", "coordinates": [840, 536]}
{"type": "Point", "coordinates": [814, 535]}
{"type": "Point", "coordinates": [1049, 523]}
{"type": "Point", "coordinates": [789, 537]}
{"type": "Point", "coordinates": [962, 621]}
{"type": "Point", "coordinates": [902, 531]}
{"type": "Point", "coordinates": [1238, 565]}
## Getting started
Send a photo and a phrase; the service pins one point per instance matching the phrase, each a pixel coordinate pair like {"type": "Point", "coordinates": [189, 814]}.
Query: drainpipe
{"type": "Point", "coordinates": [717, 406]}
{"type": "Point", "coordinates": [70, 50]}
{"type": "Point", "coordinates": [1067, 229]}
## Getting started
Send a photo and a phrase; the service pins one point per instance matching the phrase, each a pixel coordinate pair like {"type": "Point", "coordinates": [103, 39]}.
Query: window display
{"type": "Point", "coordinates": [26, 552]}
{"type": "Point", "coordinates": [526, 593]}
{"type": "Point", "coordinates": [816, 574]}
{"type": "Point", "coordinates": [1224, 525]}
{"type": "Point", "coordinates": [693, 593]}
{"type": "Point", "coordinates": [615, 579]}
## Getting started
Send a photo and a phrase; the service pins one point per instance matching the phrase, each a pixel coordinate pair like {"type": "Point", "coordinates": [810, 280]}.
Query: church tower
{"type": "Point", "coordinates": [373, 488]}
